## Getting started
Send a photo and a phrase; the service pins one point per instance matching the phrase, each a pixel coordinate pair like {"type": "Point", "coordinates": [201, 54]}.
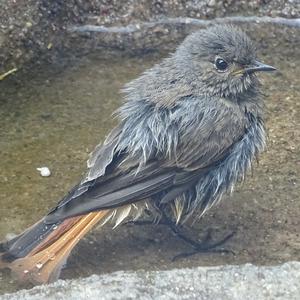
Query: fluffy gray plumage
{"type": "Point", "coordinates": [189, 129]}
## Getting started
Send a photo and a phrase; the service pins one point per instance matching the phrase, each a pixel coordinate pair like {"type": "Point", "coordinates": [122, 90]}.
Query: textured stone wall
{"type": "Point", "coordinates": [34, 30]}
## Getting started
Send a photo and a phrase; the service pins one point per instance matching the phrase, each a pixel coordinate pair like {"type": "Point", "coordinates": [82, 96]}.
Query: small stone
{"type": "Point", "coordinates": [211, 3]}
{"type": "Point", "coordinates": [44, 171]}
{"type": "Point", "coordinates": [28, 24]}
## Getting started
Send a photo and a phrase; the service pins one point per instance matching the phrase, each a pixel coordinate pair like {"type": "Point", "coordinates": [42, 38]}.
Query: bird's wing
{"type": "Point", "coordinates": [116, 178]}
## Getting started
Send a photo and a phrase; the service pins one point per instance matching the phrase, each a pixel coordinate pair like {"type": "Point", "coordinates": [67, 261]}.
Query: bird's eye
{"type": "Point", "coordinates": [221, 64]}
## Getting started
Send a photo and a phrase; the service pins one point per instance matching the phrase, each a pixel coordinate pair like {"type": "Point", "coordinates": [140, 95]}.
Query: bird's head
{"type": "Point", "coordinates": [220, 61]}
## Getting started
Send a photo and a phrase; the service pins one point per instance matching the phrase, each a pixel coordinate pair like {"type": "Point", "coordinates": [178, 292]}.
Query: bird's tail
{"type": "Point", "coordinates": [38, 254]}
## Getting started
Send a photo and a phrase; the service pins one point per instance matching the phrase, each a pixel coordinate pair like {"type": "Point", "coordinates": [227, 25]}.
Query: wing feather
{"type": "Point", "coordinates": [116, 178]}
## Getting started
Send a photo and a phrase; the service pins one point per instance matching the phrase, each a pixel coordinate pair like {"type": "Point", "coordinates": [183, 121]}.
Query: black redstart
{"type": "Point", "coordinates": [189, 129]}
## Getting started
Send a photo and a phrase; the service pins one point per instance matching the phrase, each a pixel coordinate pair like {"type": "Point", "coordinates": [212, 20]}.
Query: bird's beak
{"type": "Point", "coordinates": [257, 66]}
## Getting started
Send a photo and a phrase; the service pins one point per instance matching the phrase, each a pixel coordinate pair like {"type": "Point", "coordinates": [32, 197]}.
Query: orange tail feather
{"type": "Point", "coordinates": [43, 264]}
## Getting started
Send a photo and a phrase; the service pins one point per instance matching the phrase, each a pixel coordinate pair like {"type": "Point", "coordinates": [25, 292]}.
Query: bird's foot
{"type": "Point", "coordinates": [203, 246]}
{"type": "Point", "coordinates": [206, 245]}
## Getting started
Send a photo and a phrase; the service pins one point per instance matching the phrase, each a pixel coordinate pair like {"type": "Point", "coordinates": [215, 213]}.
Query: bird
{"type": "Point", "coordinates": [189, 129]}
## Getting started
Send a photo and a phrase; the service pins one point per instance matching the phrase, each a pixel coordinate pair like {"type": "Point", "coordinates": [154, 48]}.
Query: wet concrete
{"type": "Point", "coordinates": [53, 117]}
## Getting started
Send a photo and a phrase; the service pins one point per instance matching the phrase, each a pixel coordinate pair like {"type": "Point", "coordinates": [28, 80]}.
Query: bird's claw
{"type": "Point", "coordinates": [204, 247]}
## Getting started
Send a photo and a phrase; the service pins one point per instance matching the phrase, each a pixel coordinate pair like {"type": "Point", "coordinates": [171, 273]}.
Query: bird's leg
{"type": "Point", "coordinates": [203, 246]}
{"type": "Point", "coordinates": [149, 219]}
{"type": "Point", "coordinates": [161, 221]}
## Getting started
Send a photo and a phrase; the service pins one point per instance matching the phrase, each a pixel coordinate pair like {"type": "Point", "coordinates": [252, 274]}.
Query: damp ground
{"type": "Point", "coordinates": [55, 116]}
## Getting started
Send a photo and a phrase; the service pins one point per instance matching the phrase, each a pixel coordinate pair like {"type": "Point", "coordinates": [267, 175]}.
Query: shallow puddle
{"type": "Point", "coordinates": [56, 117]}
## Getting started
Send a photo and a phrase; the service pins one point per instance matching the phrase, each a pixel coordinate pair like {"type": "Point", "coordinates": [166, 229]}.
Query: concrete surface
{"type": "Point", "coordinates": [224, 282]}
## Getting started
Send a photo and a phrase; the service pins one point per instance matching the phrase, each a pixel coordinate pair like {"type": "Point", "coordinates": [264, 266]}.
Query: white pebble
{"type": "Point", "coordinates": [44, 171]}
